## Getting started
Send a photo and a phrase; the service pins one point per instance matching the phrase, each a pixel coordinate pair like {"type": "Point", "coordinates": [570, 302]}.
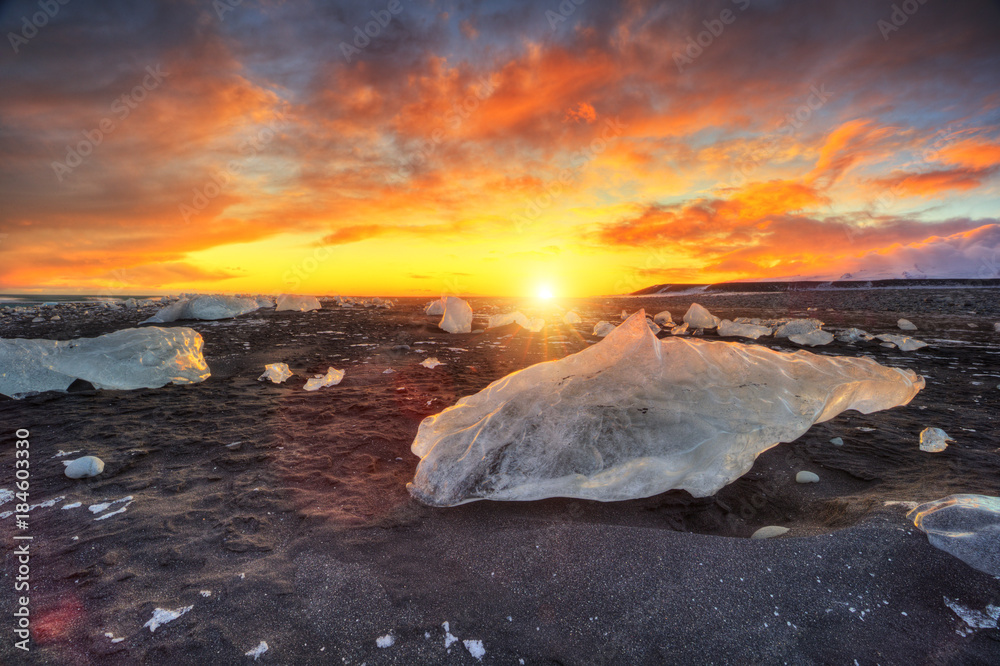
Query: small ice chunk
{"type": "Point", "coordinates": [206, 593]}
{"type": "Point", "coordinates": [457, 316]}
{"type": "Point", "coordinates": [854, 335]}
{"type": "Point", "coordinates": [806, 477]}
{"type": "Point", "coordinates": [905, 343]}
{"type": "Point", "coordinates": [475, 648]}
{"type": "Point", "coordinates": [162, 616]}
{"type": "Point", "coordinates": [572, 318]}
{"type": "Point", "coordinates": [276, 372]}
{"type": "Point", "coordinates": [680, 329]}
{"type": "Point", "coordinates": [388, 371]}
{"type": "Point", "coordinates": [603, 328]}
{"type": "Point", "coordinates": [663, 318]}
{"type": "Point", "coordinates": [727, 328]}
{"type": "Point", "coordinates": [434, 308]}
{"type": "Point", "coordinates": [385, 641]}
{"type": "Point", "coordinates": [653, 326]}
{"type": "Point", "coordinates": [996, 327]}
{"type": "Point", "coordinates": [837, 441]}
{"type": "Point", "coordinates": [84, 467]}
{"type": "Point", "coordinates": [296, 303]}
{"type": "Point", "coordinates": [966, 526]}
{"type": "Point", "coordinates": [906, 325]}
{"type": "Point", "coordinates": [257, 651]}
{"type": "Point", "coordinates": [813, 338]}
{"type": "Point", "coordinates": [768, 532]}
{"type": "Point", "coordinates": [698, 317]}
{"type": "Point", "coordinates": [331, 378]}
{"type": "Point", "coordinates": [74, 505]}
{"type": "Point", "coordinates": [506, 319]}
{"type": "Point", "coordinates": [797, 327]}
{"type": "Point", "coordinates": [448, 637]}
{"type": "Point", "coordinates": [934, 440]}
{"type": "Point", "coordinates": [431, 362]}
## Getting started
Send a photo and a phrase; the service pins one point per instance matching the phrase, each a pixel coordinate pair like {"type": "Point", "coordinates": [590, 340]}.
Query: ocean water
{"type": "Point", "coordinates": [15, 300]}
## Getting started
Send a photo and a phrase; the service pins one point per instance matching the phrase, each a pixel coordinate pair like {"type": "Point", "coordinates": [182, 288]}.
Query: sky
{"type": "Point", "coordinates": [406, 147]}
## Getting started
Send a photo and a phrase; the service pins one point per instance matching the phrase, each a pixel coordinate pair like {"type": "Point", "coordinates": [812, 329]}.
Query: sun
{"type": "Point", "coordinates": [545, 292]}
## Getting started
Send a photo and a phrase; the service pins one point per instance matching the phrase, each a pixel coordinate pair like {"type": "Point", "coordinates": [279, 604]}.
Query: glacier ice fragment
{"type": "Point", "coordinates": [813, 338]}
{"type": "Point", "coordinates": [276, 372]}
{"type": "Point", "coordinates": [663, 318]}
{"type": "Point", "coordinates": [633, 416]}
{"type": "Point", "coordinates": [906, 325]}
{"type": "Point", "coordinates": [84, 467]}
{"type": "Point", "coordinates": [209, 307]}
{"type": "Point", "coordinates": [727, 328]}
{"type": "Point", "coordinates": [572, 318]}
{"type": "Point", "coordinates": [966, 526]}
{"type": "Point", "coordinates": [603, 328]}
{"type": "Point", "coordinates": [797, 327]}
{"type": "Point", "coordinates": [506, 319]}
{"type": "Point", "coordinates": [128, 359]}
{"type": "Point", "coordinates": [698, 317]}
{"type": "Point", "coordinates": [296, 303]}
{"type": "Point", "coordinates": [331, 378]}
{"type": "Point", "coordinates": [806, 477]}
{"type": "Point", "coordinates": [434, 308]}
{"type": "Point", "coordinates": [457, 316]}
{"type": "Point", "coordinates": [934, 440]}
{"type": "Point", "coordinates": [904, 342]}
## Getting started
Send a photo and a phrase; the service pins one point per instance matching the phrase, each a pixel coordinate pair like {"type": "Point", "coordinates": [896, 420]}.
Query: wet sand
{"type": "Point", "coordinates": [289, 508]}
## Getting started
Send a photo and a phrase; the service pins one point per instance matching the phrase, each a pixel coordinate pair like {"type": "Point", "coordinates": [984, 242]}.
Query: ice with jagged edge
{"type": "Point", "coordinates": [124, 360]}
{"type": "Point", "coordinates": [633, 416]}
{"type": "Point", "coordinates": [966, 526]}
{"type": "Point", "coordinates": [210, 307]}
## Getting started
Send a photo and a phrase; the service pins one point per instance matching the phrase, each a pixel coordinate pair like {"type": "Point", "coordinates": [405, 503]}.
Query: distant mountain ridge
{"type": "Point", "coordinates": [810, 285]}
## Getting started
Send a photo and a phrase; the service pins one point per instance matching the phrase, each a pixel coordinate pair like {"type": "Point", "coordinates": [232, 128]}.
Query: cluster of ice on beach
{"type": "Point", "coordinates": [633, 416]}
{"type": "Point", "coordinates": [807, 332]}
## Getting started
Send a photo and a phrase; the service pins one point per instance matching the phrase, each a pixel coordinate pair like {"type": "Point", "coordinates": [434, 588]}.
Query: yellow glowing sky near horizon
{"type": "Point", "coordinates": [488, 150]}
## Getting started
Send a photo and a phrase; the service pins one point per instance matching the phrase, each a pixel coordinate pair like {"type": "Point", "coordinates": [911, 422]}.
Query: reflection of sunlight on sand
{"type": "Point", "coordinates": [55, 623]}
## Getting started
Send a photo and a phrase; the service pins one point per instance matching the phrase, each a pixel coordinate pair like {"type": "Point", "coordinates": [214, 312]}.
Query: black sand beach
{"type": "Point", "coordinates": [280, 515]}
